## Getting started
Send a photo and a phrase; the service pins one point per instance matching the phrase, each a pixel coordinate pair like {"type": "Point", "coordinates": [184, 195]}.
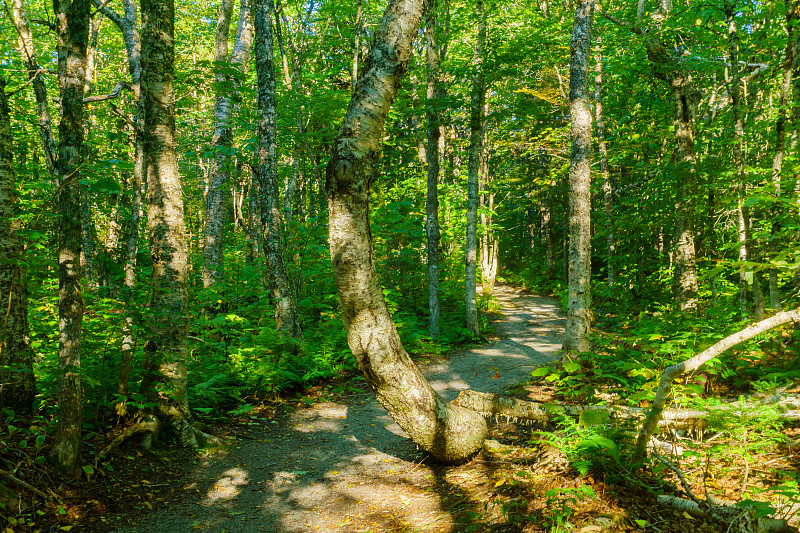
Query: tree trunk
{"type": "Point", "coordinates": [476, 154]}
{"type": "Point", "coordinates": [780, 142]}
{"type": "Point", "coordinates": [608, 195]}
{"type": "Point", "coordinates": [489, 242]}
{"type": "Point", "coordinates": [449, 433]}
{"type": "Point", "coordinates": [746, 253]}
{"type": "Point", "coordinates": [579, 306]}
{"type": "Point", "coordinates": [165, 378]}
{"type": "Point", "coordinates": [214, 220]}
{"type": "Point", "coordinates": [17, 383]}
{"type": "Point", "coordinates": [668, 66]}
{"type": "Point", "coordinates": [546, 214]}
{"type": "Point", "coordinates": [286, 319]}
{"type": "Point", "coordinates": [35, 73]}
{"type": "Point", "coordinates": [434, 94]}
{"type": "Point", "coordinates": [72, 27]}
{"type": "Point", "coordinates": [127, 25]}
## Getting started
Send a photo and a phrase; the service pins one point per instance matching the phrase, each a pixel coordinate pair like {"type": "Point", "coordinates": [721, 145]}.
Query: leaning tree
{"type": "Point", "coordinates": [451, 434]}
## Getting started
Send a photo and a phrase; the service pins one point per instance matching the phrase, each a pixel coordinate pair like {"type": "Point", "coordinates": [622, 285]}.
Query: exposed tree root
{"type": "Point", "coordinates": [14, 479]}
{"type": "Point", "coordinates": [148, 425]}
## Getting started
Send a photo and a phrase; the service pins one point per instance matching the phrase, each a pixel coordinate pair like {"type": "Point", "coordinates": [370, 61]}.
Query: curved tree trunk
{"type": "Point", "coordinates": [579, 306]}
{"type": "Point", "coordinates": [266, 171]}
{"type": "Point", "coordinates": [165, 378]}
{"type": "Point", "coordinates": [17, 384]}
{"type": "Point", "coordinates": [476, 154]}
{"type": "Point", "coordinates": [72, 26]}
{"type": "Point", "coordinates": [449, 433]}
{"type": "Point", "coordinates": [127, 25]}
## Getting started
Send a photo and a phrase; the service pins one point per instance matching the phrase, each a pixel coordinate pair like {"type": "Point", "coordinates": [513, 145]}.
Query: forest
{"type": "Point", "coordinates": [214, 212]}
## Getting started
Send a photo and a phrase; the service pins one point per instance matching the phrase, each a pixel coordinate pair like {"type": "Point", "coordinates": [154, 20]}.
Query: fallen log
{"type": "Point", "coordinates": [490, 405]}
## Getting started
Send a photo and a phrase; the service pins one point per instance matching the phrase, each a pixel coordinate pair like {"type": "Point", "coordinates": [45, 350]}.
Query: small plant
{"type": "Point", "coordinates": [561, 503]}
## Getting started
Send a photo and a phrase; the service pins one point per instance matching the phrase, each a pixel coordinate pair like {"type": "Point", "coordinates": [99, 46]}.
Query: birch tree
{"type": "Point", "coordinates": [222, 135]}
{"type": "Point", "coordinates": [449, 433]}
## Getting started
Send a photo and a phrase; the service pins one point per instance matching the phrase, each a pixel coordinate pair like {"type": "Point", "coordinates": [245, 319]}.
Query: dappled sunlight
{"type": "Point", "coordinates": [227, 487]}
{"type": "Point", "coordinates": [323, 417]}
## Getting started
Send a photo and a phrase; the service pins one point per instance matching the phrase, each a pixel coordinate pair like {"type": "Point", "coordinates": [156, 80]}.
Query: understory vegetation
{"type": "Point", "coordinates": [691, 235]}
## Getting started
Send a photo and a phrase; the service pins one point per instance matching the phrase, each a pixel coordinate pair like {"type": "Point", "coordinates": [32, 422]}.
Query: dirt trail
{"type": "Point", "coordinates": [346, 466]}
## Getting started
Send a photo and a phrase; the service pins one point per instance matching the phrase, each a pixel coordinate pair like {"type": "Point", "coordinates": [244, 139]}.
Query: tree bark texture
{"type": "Point", "coordinates": [165, 379]}
{"type": "Point", "coordinates": [476, 155]}
{"type": "Point", "coordinates": [72, 28]}
{"type": "Point", "coordinates": [26, 50]}
{"type": "Point", "coordinates": [608, 194]}
{"type": "Point", "coordinates": [579, 305]}
{"type": "Point", "coordinates": [449, 433]}
{"type": "Point", "coordinates": [434, 94]}
{"type": "Point", "coordinates": [214, 221]}
{"type": "Point", "coordinates": [17, 384]}
{"type": "Point", "coordinates": [266, 171]}
{"type": "Point", "coordinates": [222, 136]}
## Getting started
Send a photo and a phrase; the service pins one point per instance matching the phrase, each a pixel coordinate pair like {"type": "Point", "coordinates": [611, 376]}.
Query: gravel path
{"type": "Point", "coordinates": [346, 466]}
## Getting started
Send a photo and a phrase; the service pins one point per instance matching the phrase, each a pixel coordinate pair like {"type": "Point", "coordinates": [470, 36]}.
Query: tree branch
{"type": "Point", "coordinates": [673, 372]}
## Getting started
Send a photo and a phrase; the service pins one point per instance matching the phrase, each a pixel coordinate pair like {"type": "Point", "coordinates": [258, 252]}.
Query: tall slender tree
{"type": "Point", "coordinates": [579, 304]}
{"type": "Point", "coordinates": [222, 134]}
{"type": "Point", "coordinates": [608, 193]}
{"type": "Point", "coordinates": [447, 432]}
{"type": "Point", "coordinates": [17, 383]}
{"type": "Point", "coordinates": [167, 348]}
{"type": "Point", "coordinates": [476, 155]}
{"type": "Point", "coordinates": [266, 172]}
{"type": "Point", "coordinates": [72, 28]}
{"type": "Point", "coordinates": [792, 15]}
{"type": "Point", "coordinates": [36, 77]}
{"type": "Point", "coordinates": [434, 94]}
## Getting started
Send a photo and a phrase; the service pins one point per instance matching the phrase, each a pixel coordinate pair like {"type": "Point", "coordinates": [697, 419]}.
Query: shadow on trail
{"type": "Point", "coordinates": [346, 466]}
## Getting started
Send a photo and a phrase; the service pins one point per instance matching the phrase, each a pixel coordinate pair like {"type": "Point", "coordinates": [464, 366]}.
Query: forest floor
{"type": "Point", "coordinates": [334, 461]}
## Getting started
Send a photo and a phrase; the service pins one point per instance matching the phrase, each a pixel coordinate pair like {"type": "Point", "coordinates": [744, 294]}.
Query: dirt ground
{"type": "Point", "coordinates": [344, 465]}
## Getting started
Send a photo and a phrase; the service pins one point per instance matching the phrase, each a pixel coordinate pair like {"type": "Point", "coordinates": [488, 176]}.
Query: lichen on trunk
{"type": "Point", "coordinates": [451, 434]}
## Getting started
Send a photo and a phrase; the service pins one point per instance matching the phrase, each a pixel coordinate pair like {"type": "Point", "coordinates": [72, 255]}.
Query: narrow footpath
{"type": "Point", "coordinates": [345, 466]}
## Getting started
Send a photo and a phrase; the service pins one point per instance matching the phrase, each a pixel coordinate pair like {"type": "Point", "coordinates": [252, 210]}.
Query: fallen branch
{"type": "Point", "coordinates": [14, 479]}
{"type": "Point", "coordinates": [493, 405]}
{"type": "Point", "coordinates": [115, 92]}
{"type": "Point", "coordinates": [670, 374]}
